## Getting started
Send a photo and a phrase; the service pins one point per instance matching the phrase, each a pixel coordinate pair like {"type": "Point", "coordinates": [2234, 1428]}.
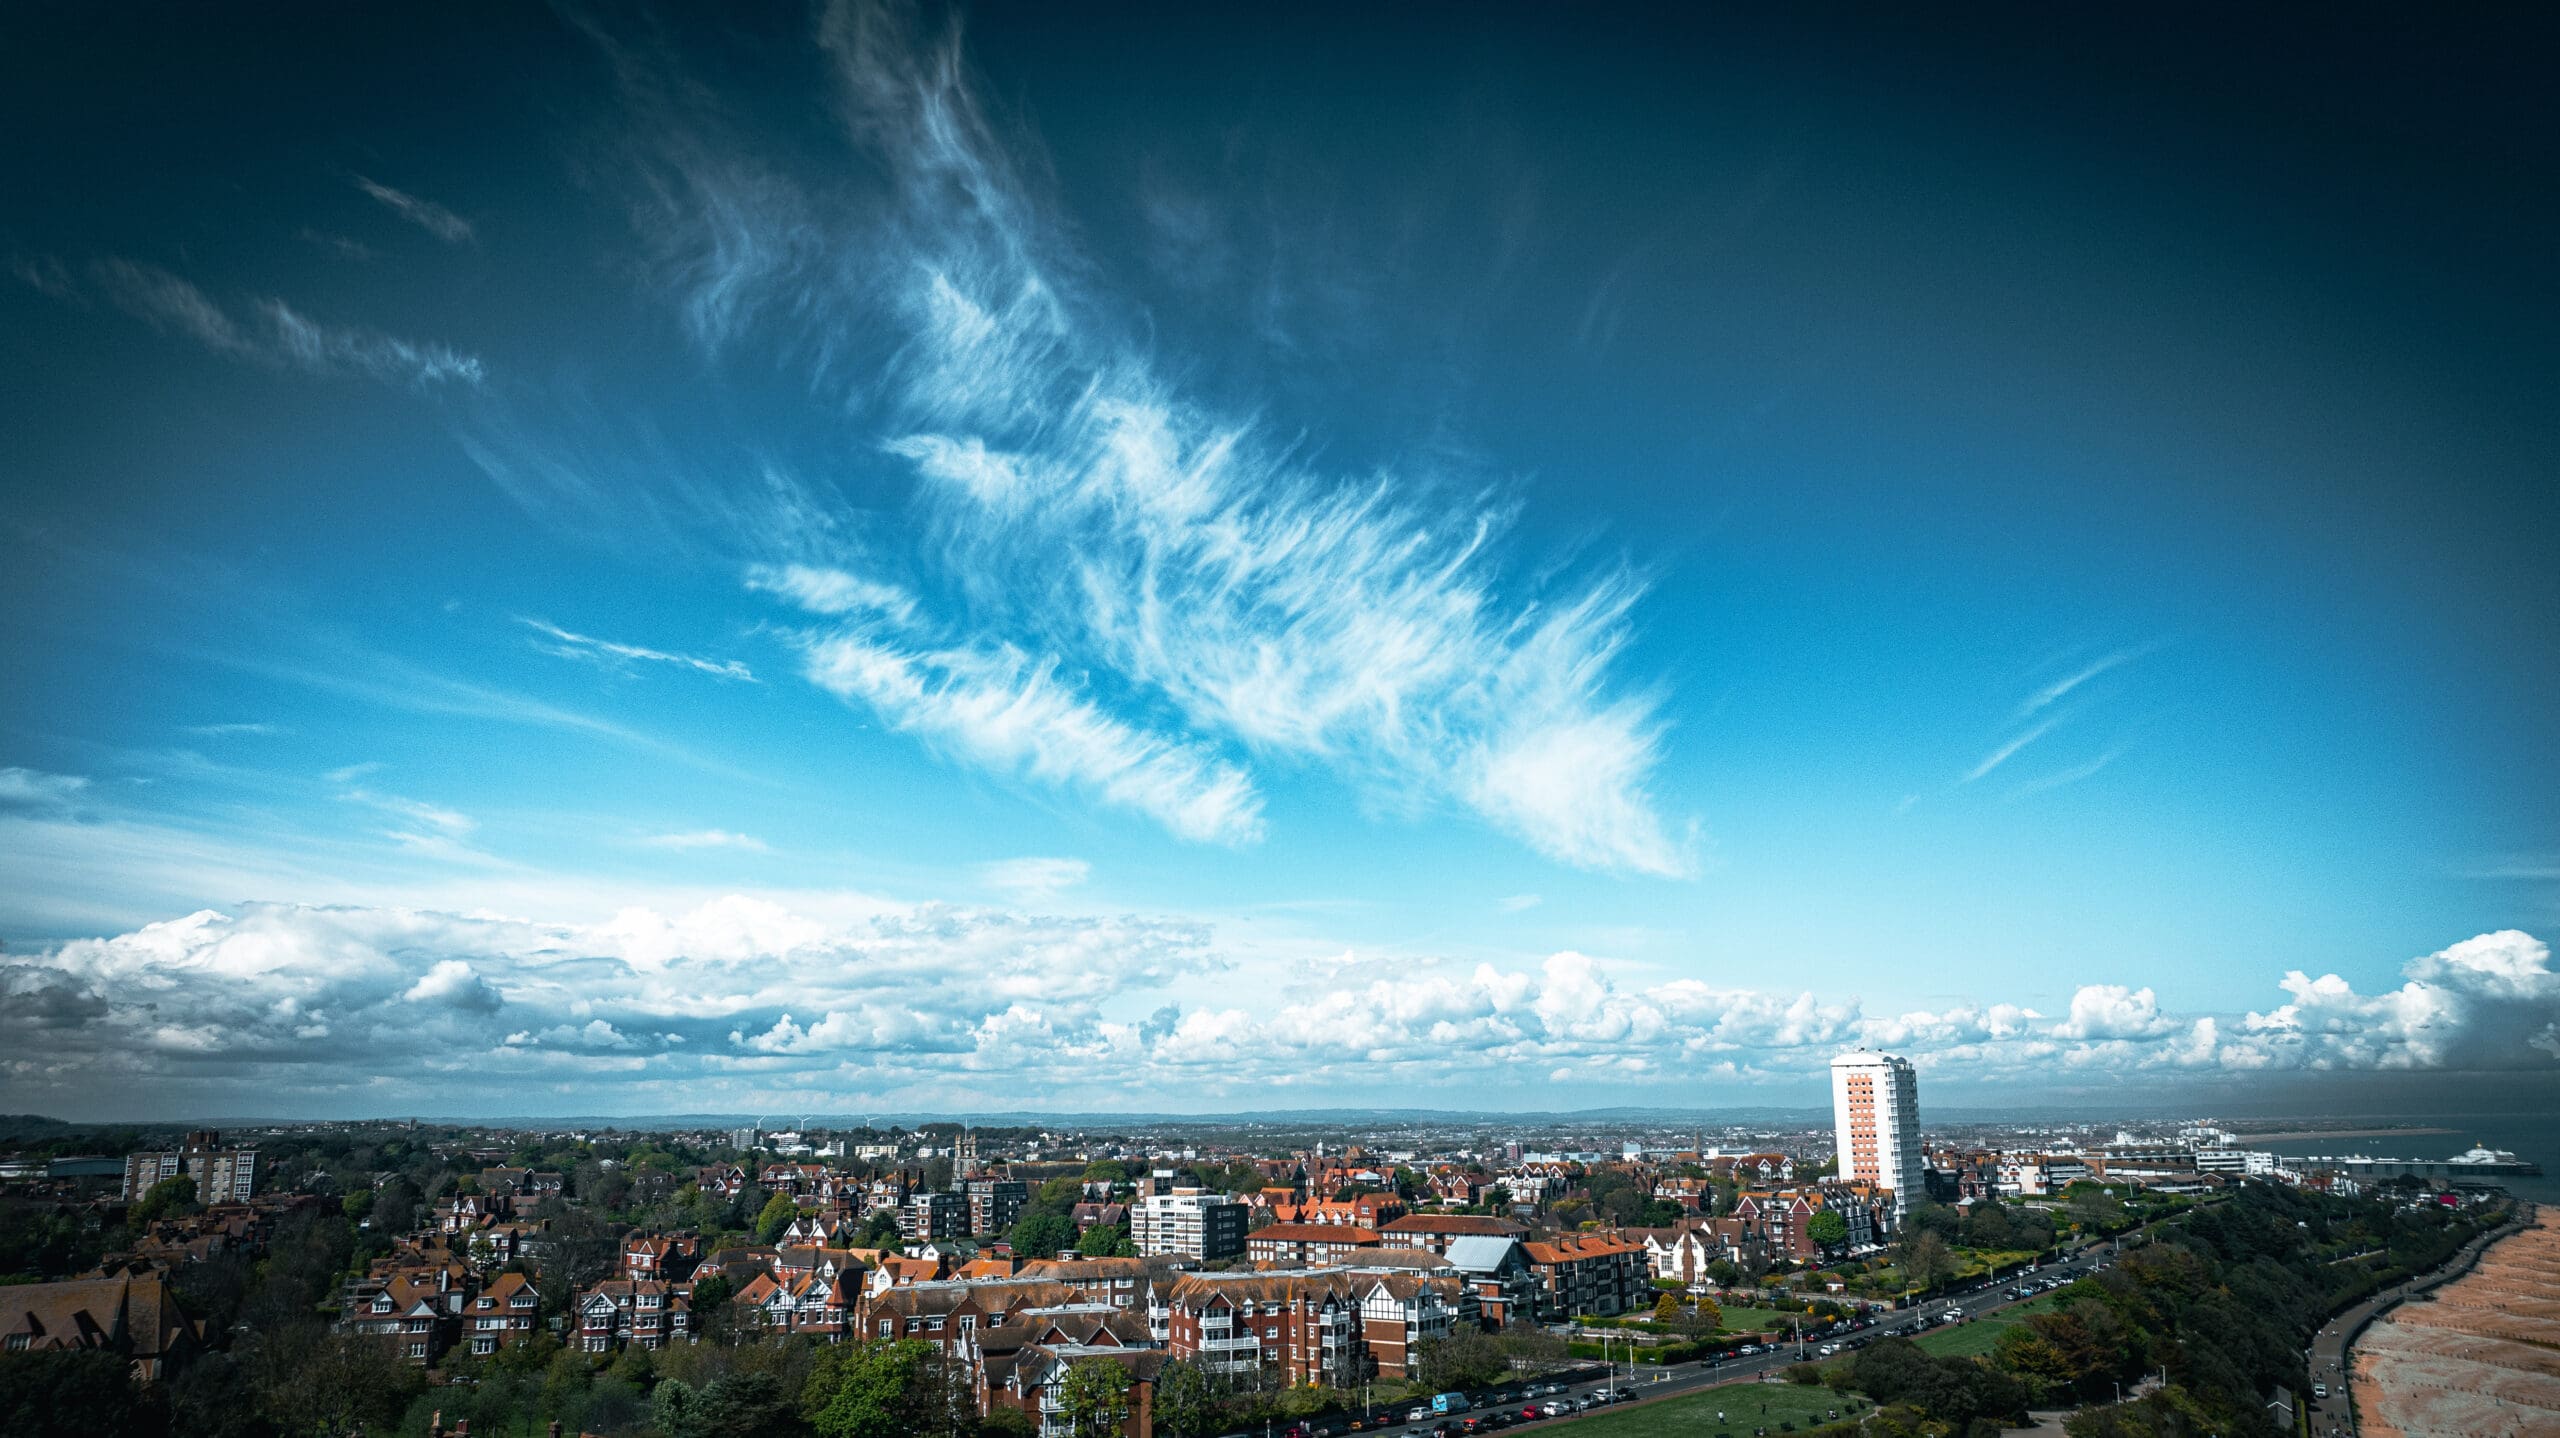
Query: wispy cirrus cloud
{"type": "Point", "coordinates": [2064, 778]}
{"type": "Point", "coordinates": [25, 790]}
{"type": "Point", "coordinates": [1036, 878]}
{"type": "Point", "coordinates": [706, 839]}
{"type": "Point", "coordinates": [999, 708]}
{"type": "Point", "coordinates": [1109, 586]}
{"type": "Point", "coordinates": [259, 729]}
{"type": "Point", "coordinates": [2006, 752]}
{"type": "Point", "coordinates": [427, 215]}
{"type": "Point", "coordinates": [272, 332]}
{"type": "Point", "coordinates": [2042, 699]}
{"type": "Point", "coordinates": [2054, 692]}
{"type": "Point", "coordinates": [568, 645]}
{"type": "Point", "coordinates": [451, 823]}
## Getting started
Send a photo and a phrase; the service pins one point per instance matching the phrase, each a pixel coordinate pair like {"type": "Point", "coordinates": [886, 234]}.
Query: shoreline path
{"type": "Point", "coordinates": [2477, 1356]}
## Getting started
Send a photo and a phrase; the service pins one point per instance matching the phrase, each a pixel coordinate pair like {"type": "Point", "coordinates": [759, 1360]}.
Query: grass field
{"type": "Point", "coordinates": [1740, 1318]}
{"type": "Point", "coordinates": [1982, 1333]}
{"type": "Point", "coordinates": [1694, 1416]}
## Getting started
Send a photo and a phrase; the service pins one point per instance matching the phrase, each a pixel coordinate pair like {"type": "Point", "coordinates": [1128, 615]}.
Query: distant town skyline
{"type": "Point", "coordinates": [869, 558]}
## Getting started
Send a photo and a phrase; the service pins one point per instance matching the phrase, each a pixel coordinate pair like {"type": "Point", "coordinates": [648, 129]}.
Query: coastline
{"type": "Point", "coordinates": [2476, 1356]}
{"type": "Point", "coordinates": [2313, 1135]}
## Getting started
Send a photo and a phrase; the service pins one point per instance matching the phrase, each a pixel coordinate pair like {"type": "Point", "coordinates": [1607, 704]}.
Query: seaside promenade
{"type": "Point", "coordinates": [2371, 1380]}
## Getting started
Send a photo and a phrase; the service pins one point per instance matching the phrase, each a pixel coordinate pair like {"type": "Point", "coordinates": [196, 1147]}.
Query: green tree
{"type": "Point", "coordinates": [75, 1395]}
{"type": "Point", "coordinates": [1465, 1359]}
{"type": "Point", "coordinates": [1041, 1235]}
{"type": "Point", "coordinates": [1926, 1259]}
{"type": "Point", "coordinates": [167, 1198]}
{"type": "Point", "coordinates": [778, 1212]}
{"type": "Point", "coordinates": [1186, 1401]}
{"type": "Point", "coordinates": [1095, 1397]}
{"type": "Point", "coordinates": [737, 1405]}
{"type": "Point", "coordinates": [890, 1388]}
{"type": "Point", "coordinates": [1100, 1242]}
{"type": "Point", "coordinates": [1827, 1229]}
{"type": "Point", "coordinates": [311, 1381]}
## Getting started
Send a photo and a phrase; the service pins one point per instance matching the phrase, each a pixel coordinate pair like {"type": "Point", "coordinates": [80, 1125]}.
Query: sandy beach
{"type": "Point", "coordinates": [2480, 1358]}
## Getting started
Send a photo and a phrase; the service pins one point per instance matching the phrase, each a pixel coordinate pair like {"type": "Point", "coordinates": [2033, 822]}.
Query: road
{"type": "Point", "coordinates": [1655, 1386]}
{"type": "Point", "coordinates": [2327, 1360]}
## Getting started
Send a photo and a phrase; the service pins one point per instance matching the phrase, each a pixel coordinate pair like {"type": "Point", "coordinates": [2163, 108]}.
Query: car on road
{"type": "Point", "coordinates": [2319, 1390]}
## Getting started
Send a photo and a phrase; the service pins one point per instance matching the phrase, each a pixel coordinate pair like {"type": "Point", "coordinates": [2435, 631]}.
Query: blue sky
{"type": "Point", "coordinates": [1118, 560]}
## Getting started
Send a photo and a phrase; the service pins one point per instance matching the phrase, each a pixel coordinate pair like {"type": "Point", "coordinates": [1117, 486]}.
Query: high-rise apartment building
{"type": "Point", "coordinates": [929, 1216]}
{"type": "Point", "coordinates": [1875, 1105]}
{"type": "Point", "coordinates": [222, 1175]}
{"type": "Point", "coordinates": [994, 1203]}
{"type": "Point", "coordinates": [1188, 1222]}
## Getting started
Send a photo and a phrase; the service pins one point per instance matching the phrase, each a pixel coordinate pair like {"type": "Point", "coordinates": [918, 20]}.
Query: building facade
{"type": "Point", "coordinates": [222, 1175]}
{"type": "Point", "coordinates": [1875, 1106]}
{"type": "Point", "coordinates": [994, 1204]}
{"type": "Point", "coordinates": [1189, 1223]}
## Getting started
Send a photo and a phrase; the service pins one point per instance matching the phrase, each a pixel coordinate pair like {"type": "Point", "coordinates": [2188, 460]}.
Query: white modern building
{"type": "Point", "coordinates": [1875, 1105]}
{"type": "Point", "coordinates": [1189, 1223]}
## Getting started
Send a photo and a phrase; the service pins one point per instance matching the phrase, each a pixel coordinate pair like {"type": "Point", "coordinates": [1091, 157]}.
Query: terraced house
{"type": "Point", "coordinates": [1331, 1325]}
{"type": "Point", "coordinates": [500, 1315]}
{"type": "Point", "coordinates": [634, 1312]}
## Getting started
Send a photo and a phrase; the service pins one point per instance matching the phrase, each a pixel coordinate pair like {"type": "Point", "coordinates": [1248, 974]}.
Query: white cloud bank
{"type": "Point", "coordinates": [743, 1001]}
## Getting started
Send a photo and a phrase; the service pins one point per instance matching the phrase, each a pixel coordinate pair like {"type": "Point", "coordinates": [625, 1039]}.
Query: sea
{"type": "Point", "coordinates": [2528, 1136]}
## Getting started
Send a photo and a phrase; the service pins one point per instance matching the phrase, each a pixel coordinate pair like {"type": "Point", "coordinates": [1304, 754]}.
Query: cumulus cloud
{"type": "Point", "coordinates": [2112, 1011]}
{"type": "Point", "coordinates": [746, 998]}
{"type": "Point", "coordinates": [2477, 1003]}
{"type": "Point", "coordinates": [453, 982]}
{"type": "Point", "coordinates": [1105, 585]}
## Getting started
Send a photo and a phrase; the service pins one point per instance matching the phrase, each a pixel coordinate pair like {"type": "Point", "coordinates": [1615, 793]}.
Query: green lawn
{"type": "Point", "coordinates": [1694, 1416]}
{"type": "Point", "coordinates": [1981, 1334]}
{"type": "Point", "coordinates": [1742, 1318]}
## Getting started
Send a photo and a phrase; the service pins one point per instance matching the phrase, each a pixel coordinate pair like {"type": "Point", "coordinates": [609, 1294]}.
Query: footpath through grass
{"type": "Point", "coordinates": [1779, 1407]}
